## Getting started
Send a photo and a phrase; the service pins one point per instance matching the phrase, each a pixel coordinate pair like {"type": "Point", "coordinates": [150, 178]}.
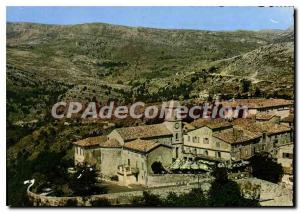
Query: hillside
{"type": "Point", "coordinates": [270, 68]}
{"type": "Point", "coordinates": [101, 60]}
{"type": "Point", "coordinates": [49, 63]}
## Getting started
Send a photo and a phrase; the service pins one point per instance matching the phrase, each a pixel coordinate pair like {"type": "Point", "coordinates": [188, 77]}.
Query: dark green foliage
{"type": "Point", "coordinates": [47, 64]}
{"type": "Point", "coordinates": [195, 198]}
{"type": "Point", "coordinates": [148, 200]}
{"type": "Point", "coordinates": [222, 193]}
{"type": "Point", "coordinates": [71, 203]}
{"type": "Point", "coordinates": [100, 203]}
{"type": "Point", "coordinates": [246, 84]}
{"type": "Point", "coordinates": [84, 182]}
{"type": "Point", "coordinates": [226, 193]}
{"type": "Point", "coordinates": [266, 168]}
{"type": "Point", "coordinates": [44, 155]}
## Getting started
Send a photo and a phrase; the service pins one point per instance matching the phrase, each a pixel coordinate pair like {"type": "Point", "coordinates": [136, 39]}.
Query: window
{"type": "Point", "coordinates": [287, 155]}
{"type": "Point", "coordinates": [205, 141]}
{"type": "Point", "coordinates": [218, 154]}
{"type": "Point", "coordinates": [218, 144]}
{"type": "Point", "coordinates": [128, 162]}
{"type": "Point", "coordinates": [189, 138]}
{"type": "Point", "coordinates": [246, 151]}
{"type": "Point", "coordinates": [194, 139]}
{"type": "Point", "coordinates": [194, 151]}
{"type": "Point", "coordinates": [206, 152]}
{"type": "Point", "coordinates": [176, 136]}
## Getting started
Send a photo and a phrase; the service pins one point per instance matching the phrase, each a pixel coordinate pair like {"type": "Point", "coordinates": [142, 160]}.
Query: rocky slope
{"type": "Point", "coordinates": [48, 63]}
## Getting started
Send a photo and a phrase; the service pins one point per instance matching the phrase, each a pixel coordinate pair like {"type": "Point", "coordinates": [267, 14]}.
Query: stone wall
{"type": "Point", "coordinates": [124, 198]}
{"type": "Point", "coordinates": [268, 193]}
{"type": "Point", "coordinates": [158, 180]}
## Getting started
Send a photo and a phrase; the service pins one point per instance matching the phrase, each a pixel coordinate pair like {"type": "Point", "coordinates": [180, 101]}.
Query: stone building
{"type": "Point", "coordinates": [138, 157]}
{"type": "Point", "coordinates": [219, 140]}
{"type": "Point", "coordinates": [279, 107]}
{"type": "Point", "coordinates": [88, 149]}
{"type": "Point", "coordinates": [288, 121]}
{"type": "Point", "coordinates": [100, 152]}
{"type": "Point", "coordinates": [199, 142]}
{"type": "Point", "coordinates": [272, 134]}
{"type": "Point", "coordinates": [285, 155]}
{"type": "Point", "coordinates": [223, 141]}
{"type": "Point", "coordinates": [266, 117]}
{"type": "Point", "coordinates": [128, 153]}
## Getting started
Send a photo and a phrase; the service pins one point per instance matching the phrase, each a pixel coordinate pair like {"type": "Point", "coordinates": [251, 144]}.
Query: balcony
{"type": "Point", "coordinates": [127, 170]}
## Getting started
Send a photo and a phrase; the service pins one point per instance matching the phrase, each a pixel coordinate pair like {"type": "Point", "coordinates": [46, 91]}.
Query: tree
{"type": "Point", "coordinates": [84, 182]}
{"type": "Point", "coordinates": [101, 203]}
{"type": "Point", "coordinates": [223, 192]}
{"type": "Point", "coordinates": [257, 92]}
{"type": "Point", "coordinates": [148, 199]}
{"type": "Point", "coordinates": [246, 85]}
{"type": "Point", "coordinates": [264, 167]}
{"type": "Point", "coordinates": [226, 193]}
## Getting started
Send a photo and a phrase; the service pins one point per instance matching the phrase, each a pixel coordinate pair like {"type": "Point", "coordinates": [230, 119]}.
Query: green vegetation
{"type": "Point", "coordinates": [222, 193]}
{"type": "Point", "coordinates": [266, 168]}
{"type": "Point", "coordinates": [49, 63]}
{"type": "Point", "coordinates": [44, 154]}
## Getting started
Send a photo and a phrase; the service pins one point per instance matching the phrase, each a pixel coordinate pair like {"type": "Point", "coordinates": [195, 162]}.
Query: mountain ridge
{"type": "Point", "coordinates": [109, 61]}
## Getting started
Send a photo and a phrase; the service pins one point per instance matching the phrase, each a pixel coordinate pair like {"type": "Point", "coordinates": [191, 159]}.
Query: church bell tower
{"type": "Point", "coordinates": [174, 124]}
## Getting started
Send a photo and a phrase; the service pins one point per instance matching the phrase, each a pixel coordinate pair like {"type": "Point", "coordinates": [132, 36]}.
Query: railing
{"type": "Point", "coordinates": [122, 169]}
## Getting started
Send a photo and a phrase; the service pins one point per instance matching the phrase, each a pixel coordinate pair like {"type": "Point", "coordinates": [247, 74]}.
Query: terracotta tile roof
{"type": "Point", "coordinates": [288, 170]}
{"type": "Point", "coordinates": [266, 127]}
{"type": "Point", "coordinates": [289, 119]}
{"type": "Point", "coordinates": [236, 136]}
{"type": "Point", "coordinates": [187, 127]}
{"type": "Point", "coordinates": [143, 146]}
{"type": "Point", "coordinates": [147, 131]}
{"type": "Point", "coordinates": [258, 103]}
{"type": "Point", "coordinates": [242, 121]}
{"type": "Point", "coordinates": [91, 141]}
{"type": "Point", "coordinates": [264, 116]}
{"type": "Point", "coordinates": [111, 143]}
{"type": "Point", "coordinates": [211, 123]}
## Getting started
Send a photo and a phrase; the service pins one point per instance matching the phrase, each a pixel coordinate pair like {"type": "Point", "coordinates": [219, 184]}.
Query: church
{"type": "Point", "coordinates": [129, 152]}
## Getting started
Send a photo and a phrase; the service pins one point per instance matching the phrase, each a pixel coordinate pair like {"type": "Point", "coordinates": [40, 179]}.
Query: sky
{"type": "Point", "coordinates": [204, 18]}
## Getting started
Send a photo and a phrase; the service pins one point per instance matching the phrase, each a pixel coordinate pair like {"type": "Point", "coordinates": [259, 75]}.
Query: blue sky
{"type": "Point", "coordinates": [207, 18]}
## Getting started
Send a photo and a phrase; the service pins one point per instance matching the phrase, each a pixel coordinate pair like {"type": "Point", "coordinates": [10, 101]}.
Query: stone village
{"type": "Point", "coordinates": [128, 154]}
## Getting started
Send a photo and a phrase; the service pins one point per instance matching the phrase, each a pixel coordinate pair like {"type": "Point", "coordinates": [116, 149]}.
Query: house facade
{"type": "Point", "coordinates": [127, 154]}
